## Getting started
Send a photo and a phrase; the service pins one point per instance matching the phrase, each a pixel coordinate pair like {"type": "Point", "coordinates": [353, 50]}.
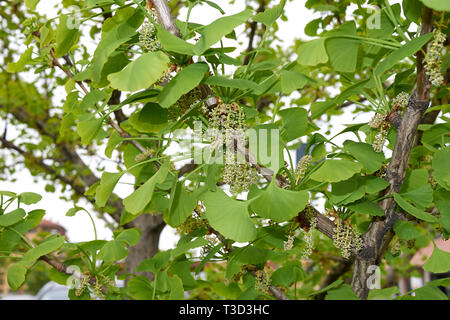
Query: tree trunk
{"type": "Point", "coordinates": [151, 227]}
{"type": "Point", "coordinates": [377, 237]}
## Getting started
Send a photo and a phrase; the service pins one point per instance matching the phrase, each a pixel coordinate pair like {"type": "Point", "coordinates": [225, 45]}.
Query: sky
{"type": "Point", "coordinates": [79, 227]}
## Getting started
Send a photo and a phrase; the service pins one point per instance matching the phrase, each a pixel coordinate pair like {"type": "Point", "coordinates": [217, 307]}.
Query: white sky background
{"type": "Point", "coordinates": [80, 227]}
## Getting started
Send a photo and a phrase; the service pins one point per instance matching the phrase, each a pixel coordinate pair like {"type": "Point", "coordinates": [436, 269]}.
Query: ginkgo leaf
{"type": "Point", "coordinates": [213, 32]}
{"type": "Point", "coordinates": [228, 216]}
{"type": "Point", "coordinates": [108, 182]}
{"type": "Point", "coordinates": [139, 199]}
{"type": "Point", "coordinates": [116, 30]}
{"type": "Point", "coordinates": [12, 217]}
{"type": "Point", "coordinates": [334, 170]}
{"type": "Point", "coordinates": [439, 262]}
{"type": "Point", "coordinates": [186, 80]}
{"type": "Point", "coordinates": [141, 73]}
{"type": "Point", "coordinates": [279, 204]}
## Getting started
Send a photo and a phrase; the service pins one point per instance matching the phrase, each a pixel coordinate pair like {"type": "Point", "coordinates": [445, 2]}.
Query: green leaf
{"type": "Point", "coordinates": [31, 4]}
{"type": "Point", "coordinates": [116, 30]}
{"type": "Point", "coordinates": [405, 230]}
{"type": "Point", "coordinates": [364, 153]}
{"type": "Point", "coordinates": [441, 167]}
{"type": "Point", "coordinates": [108, 182]}
{"type": "Point", "coordinates": [16, 275]}
{"type": "Point", "coordinates": [8, 194]}
{"type": "Point", "coordinates": [412, 10]}
{"type": "Point", "coordinates": [414, 179]}
{"type": "Point", "coordinates": [334, 170]}
{"type": "Point", "coordinates": [156, 263]}
{"type": "Point", "coordinates": [384, 29]}
{"type": "Point", "coordinates": [407, 50]}
{"type": "Point", "coordinates": [140, 288]}
{"type": "Point", "coordinates": [139, 199]}
{"type": "Point", "coordinates": [141, 73]}
{"type": "Point", "coordinates": [347, 191]}
{"type": "Point", "coordinates": [438, 5]}
{"type": "Point", "coordinates": [113, 141]}
{"type": "Point", "coordinates": [344, 292]}
{"type": "Point", "coordinates": [383, 294]}
{"type": "Point", "coordinates": [295, 122]}
{"type": "Point", "coordinates": [405, 205]}
{"type": "Point", "coordinates": [66, 35]}
{"type": "Point", "coordinates": [172, 43]}
{"type": "Point", "coordinates": [113, 251]}
{"type": "Point", "coordinates": [292, 80]}
{"type": "Point", "coordinates": [29, 197]}
{"type": "Point", "coordinates": [176, 288]}
{"type": "Point", "coordinates": [182, 83]}
{"type": "Point", "coordinates": [444, 214]}
{"type": "Point", "coordinates": [439, 262]}
{"type": "Point", "coordinates": [48, 246]}
{"type": "Point", "coordinates": [330, 286]}
{"type": "Point", "coordinates": [287, 275]}
{"type": "Point", "coordinates": [9, 239]}
{"type": "Point", "coordinates": [10, 218]}
{"type": "Point", "coordinates": [221, 81]}
{"type": "Point", "coordinates": [213, 32]}
{"type": "Point", "coordinates": [366, 207]}
{"type": "Point", "coordinates": [234, 222]}
{"type": "Point", "coordinates": [19, 66]}
{"type": "Point", "coordinates": [183, 246]}
{"type": "Point", "coordinates": [150, 119]}
{"type": "Point", "coordinates": [320, 107]}
{"type": "Point", "coordinates": [269, 16]}
{"type": "Point", "coordinates": [352, 90]}
{"type": "Point", "coordinates": [247, 255]}
{"type": "Point", "coordinates": [342, 52]}
{"type": "Point", "coordinates": [142, 96]}
{"type": "Point", "coordinates": [351, 190]}
{"type": "Point", "coordinates": [279, 204]}
{"type": "Point", "coordinates": [182, 203]}
{"type": "Point", "coordinates": [312, 53]}
{"type": "Point", "coordinates": [130, 236]}
{"type": "Point", "coordinates": [88, 129]}
{"type": "Point", "coordinates": [422, 197]}
{"type": "Point", "coordinates": [429, 293]}
{"type": "Point", "coordinates": [90, 100]}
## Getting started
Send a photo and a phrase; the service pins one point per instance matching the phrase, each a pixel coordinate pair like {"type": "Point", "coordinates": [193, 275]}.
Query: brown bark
{"type": "Point", "coordinates": [151, 227]}
{"type": "Point", "coordinates": [374, 239]}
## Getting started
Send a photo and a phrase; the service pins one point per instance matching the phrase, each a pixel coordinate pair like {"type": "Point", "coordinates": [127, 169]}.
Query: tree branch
{"type": "Point", "coordinates": [374, 244]}
{"type": "Point", "coordinates": [78, 189]}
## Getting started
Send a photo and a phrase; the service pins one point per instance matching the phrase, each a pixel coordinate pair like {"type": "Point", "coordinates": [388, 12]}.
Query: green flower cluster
{"type": "Point", "coordinates": [377, 120]}
{"type": "Point", "coordinates": [144, 155]}
{"type": "Point", "coordinates": [289, 243]}
{"type": "Point", "coordinates": [184, 103]}
{"type": "Point", "coordinates": [309, 246]}
{"type": "Point", "coordinates": [380, 138]}
{"type": "Point", "coordinates": [227, 122]}
{"type": "Point", "coordinates": [347, 239]}
{"type": "Point", "coordinates": [302, 166]}
{"type": "Point", "coordinates": [401, 100]}
{"type": "Point", "coordinates": [227, 116]}
{"type": "Point", "coordinates": [148, 36]}
{"type": "Point", "coordinates": [240, 176]}
{"type": "Point", "coordinates": [83, 286]}
{"type": "Point", "coordinates": [262, 282]}
{"type": "Point", "coordinates": [433, 59]}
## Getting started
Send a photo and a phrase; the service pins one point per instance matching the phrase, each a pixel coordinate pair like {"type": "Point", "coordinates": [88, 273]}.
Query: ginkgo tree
{"type": "Point", "coordinates": [341, 223]}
